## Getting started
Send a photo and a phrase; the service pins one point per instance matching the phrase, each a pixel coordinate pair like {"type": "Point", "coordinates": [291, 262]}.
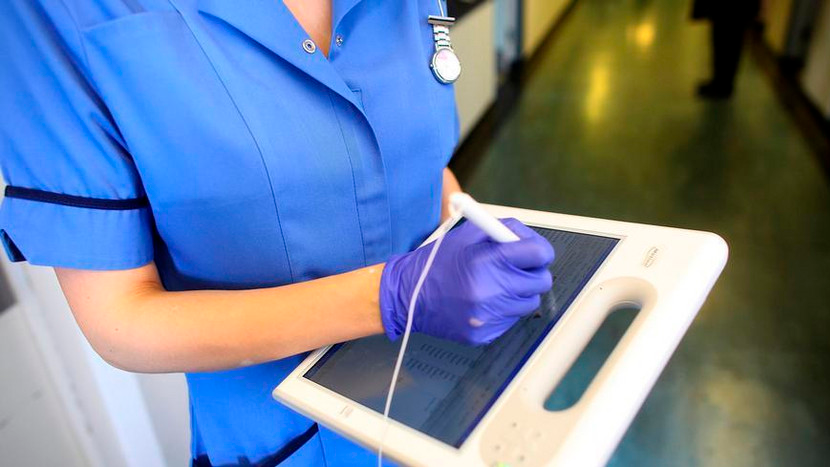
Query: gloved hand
{"type": "Point", "coordinates": [476, 289]}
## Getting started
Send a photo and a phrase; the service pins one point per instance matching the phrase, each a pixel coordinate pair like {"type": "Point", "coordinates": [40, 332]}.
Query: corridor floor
{"type": "Point", "coordinates": [608, 126]}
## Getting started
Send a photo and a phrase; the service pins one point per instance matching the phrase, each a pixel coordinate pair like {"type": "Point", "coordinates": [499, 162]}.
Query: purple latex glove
{"type": "Point", "coordinates": [476, 289]}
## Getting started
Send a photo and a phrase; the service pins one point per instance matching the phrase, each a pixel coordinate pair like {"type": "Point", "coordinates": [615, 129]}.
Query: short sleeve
{"type": "Point", "coordinates": [73, 196]}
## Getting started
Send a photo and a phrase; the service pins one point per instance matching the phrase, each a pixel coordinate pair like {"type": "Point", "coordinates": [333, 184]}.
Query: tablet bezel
{"type": "Point", "coordinates": [628, 259]}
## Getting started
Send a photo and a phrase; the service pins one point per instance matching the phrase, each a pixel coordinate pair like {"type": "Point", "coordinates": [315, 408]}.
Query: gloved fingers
{"type": "Point", "coordinates": [469, 233]}
{"type": "Point", "coordinates": [487, 334]}
{"type": "Point", "coordinates": [518, 227]}
{"type": "Point", "coordinates": [523, 306]}
{"type": "Point", "coordinates": [535, 282]}
{"type": "Point", "coordinates": [531, 252]}
{"type": "Point", "coordinates": [527, 283]}
{"type": "Point", "coordinates": [508, 308]}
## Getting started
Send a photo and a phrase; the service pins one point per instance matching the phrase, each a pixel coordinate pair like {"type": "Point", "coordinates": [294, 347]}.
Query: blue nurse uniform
{"type": "Point", "coordinates": [203, 135]}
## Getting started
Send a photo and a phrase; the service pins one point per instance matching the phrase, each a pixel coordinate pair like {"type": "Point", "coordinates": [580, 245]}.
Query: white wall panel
{"type": "Point", "coordinates": [34, 427]}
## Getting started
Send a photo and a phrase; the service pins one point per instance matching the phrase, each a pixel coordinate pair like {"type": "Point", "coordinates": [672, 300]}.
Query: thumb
{"type": "Point", "coordinates": [528, 253]}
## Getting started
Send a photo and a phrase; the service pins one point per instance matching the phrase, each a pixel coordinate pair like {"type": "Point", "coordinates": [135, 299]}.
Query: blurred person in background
{"type": "Point", "coordinates": [730, 20]}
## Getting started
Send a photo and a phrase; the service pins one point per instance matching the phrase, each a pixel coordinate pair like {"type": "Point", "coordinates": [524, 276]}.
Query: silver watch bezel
{"type": "Point", "coordinates": [439, 75]}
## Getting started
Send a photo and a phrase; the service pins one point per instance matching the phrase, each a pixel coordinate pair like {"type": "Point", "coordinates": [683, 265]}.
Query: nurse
{"type": "Point", "coordinates": [222, 186]}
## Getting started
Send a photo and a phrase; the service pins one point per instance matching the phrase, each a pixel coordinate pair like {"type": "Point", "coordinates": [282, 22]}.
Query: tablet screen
{"type": "Point", "coordinates": [446, 388]}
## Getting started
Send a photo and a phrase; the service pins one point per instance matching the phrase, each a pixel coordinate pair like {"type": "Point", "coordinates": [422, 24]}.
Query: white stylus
{"type": "Point", "coordinates": [465, 205]}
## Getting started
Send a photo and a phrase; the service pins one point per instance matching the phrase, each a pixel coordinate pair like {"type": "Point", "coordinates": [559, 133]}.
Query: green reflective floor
{"type": "Point", "coordinates": [607, 126]}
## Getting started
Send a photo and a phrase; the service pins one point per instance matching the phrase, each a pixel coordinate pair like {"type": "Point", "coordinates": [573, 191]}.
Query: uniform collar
{"type": "Point", "coordinates": [271, 24]}
{"type": "Point", "coordinates": [340, 9]}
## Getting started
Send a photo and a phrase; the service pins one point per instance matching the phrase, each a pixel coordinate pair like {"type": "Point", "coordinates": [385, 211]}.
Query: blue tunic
{"type": "Point", "coordinates": [201, 135]}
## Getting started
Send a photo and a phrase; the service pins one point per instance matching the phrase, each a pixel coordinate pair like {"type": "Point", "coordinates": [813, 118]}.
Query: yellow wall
{"type": "Point", "coordinates": [475, 90]}
{"type": "Point", "coordinates": [816, 77]}
{"type": "Point", "coordinates": [538, 17]}
{"type": "Point", "coordinates": [776, 16]}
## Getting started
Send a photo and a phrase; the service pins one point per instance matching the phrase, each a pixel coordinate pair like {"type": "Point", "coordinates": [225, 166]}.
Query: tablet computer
{"type": "Point", "coordinates": [463, 405]}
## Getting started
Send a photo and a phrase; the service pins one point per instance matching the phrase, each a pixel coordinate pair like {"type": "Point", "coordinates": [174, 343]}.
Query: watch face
{"type": "Point", "coordinates": [446, 66]}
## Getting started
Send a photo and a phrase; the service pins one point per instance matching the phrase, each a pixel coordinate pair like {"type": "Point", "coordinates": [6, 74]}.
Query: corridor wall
{"type": "Point", "coordinates": [474, 41]}
{"type": "Point", "coordinates": [538, 18]}
{"type": "Point", "coordinates": [816, 75]}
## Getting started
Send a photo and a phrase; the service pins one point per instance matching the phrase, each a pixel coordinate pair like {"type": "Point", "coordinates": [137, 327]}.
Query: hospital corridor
{"type": "Point", "coordinates": [607, 125]}
{"type": "Point", "coordinates": [631, 137]}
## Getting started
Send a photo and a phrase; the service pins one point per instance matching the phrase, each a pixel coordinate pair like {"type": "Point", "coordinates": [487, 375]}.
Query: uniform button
{"type": "Point", "coordinates": [309, 46]}
{"type": "Point", "coordinates": [338, 40]}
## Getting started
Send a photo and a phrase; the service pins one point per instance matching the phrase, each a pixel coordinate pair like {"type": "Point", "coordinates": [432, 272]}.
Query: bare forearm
{"type": "Point", "coordinates": [449, 187]}
{"type": "Point", "coordinates": [153, 330]}
{"type": "Point", "coordinates": [136, 325]}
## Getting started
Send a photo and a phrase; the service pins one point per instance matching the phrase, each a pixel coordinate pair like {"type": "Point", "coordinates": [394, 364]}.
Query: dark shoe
{"type": "Point", "coordinates": [713, 90]}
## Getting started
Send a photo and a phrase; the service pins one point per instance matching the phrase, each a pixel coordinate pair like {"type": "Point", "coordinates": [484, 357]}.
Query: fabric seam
{"type": "Point", "coordinates": [354, 178]}
{"type": "Point", "coordinates": [250, 133]}
{"type": "Point", "coordinates": [77, 28]}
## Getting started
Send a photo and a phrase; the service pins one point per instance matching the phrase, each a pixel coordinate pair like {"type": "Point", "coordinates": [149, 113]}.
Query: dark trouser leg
{"type": "Point", "coordinates": [727, 44]}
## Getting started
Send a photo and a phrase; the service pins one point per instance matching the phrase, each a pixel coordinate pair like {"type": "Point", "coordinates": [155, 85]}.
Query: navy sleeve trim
{"type": "Point", "coordinates": [76, 201]}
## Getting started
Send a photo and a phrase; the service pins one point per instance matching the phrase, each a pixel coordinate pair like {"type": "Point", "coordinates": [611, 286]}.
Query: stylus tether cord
{"type": "Point", "coordinates": [408, 330]}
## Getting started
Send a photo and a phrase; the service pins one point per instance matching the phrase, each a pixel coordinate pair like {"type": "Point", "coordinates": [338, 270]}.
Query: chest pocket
{"type": "Point", "coordinates": [200, 165]}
